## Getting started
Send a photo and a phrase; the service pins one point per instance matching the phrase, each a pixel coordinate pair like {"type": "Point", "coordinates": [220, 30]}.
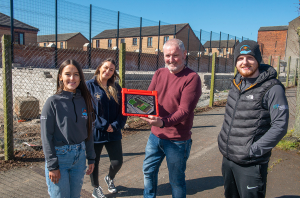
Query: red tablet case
{"type": "Point", "coordinates": [142, 93]}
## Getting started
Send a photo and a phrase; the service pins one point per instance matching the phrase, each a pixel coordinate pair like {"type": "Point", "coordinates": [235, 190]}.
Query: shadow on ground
{"type": "Point", "coordinates": [193, 187]}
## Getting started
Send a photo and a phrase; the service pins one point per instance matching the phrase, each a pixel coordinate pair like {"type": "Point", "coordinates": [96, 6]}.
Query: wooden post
{"type": "Point", "coordinates": [278, 67]}
{"type": "Point", "coordinates": [7, 98]}
{"type": "Point", "coordinates": [235, 70]}
{"type": "Point", "coordinates": [212, 81]}
{"type": "Point", "coordinates": [122, 56]}
{"type": "Point", "coordinates": [295, 74]}
{"type": "Point", "coordinates": [288, 72]}
{"type": "Point", "coordinates": [270, 60]}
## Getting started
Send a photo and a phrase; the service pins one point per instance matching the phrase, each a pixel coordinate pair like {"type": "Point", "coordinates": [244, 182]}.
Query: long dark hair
{"type": "Point", "coordinates": [82, 87]}
{"type": "Point", "coordinates": [111, 90]}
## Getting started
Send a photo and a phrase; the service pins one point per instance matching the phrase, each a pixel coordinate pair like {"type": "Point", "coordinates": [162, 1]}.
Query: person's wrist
{"type": "Point", "coordinates": [163, 124]}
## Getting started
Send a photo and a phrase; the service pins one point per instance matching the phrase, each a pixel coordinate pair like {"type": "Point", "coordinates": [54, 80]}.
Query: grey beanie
{"type": "Point", "coordinates": [248, 47]}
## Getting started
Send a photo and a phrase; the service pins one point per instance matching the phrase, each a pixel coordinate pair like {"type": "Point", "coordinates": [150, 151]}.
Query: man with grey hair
{"type": "Point", "coordinates": [179, 89]}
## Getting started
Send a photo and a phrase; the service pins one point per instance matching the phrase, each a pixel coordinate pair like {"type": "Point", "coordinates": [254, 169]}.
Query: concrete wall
{"type": "Point", "coordinates": [292, 45]}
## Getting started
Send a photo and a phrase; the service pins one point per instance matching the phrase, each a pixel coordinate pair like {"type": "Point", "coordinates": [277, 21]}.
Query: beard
{"type": "Point", "coordinates": [174, 69]}
{"type": "Point", "coordinates": [247, 73]}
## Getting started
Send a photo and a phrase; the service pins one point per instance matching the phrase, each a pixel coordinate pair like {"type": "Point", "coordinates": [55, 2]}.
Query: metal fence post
{"type": "Point", "coordinates": [157, 57]}
{"type": "Point", "coordinates": [122, 62]}
{"type": "Point", "coordinates": [140, 46]}
{"type": "Point", "coordinates": [12, 29]}
{"type": "Point", "coordinates": [117, 39]}
{"type": "Point", "coordinates": [234, 67]}
{"type": "Point", "coordinates": [56, 26]}
{"type": "Point", "coordinates": [288, 72]}
{"type": "Point", "coordinates": [212, 80]}
{"type": "Point", "coordinates": [199, 53]}
{"type": "Point", "coordinates": [226, 52]}
{"type": "Point", "coordinates": [174, 31]}
{"type": "Point", "coordinates": [7, 97]}
{"type": "Point", "coordinates": [278, 67]}
{"type": "Point", "coordinates": [90, 35]}
{"type": "Point", "coordinates": [188, 47]}
{"type": "Point", "coordinates": [209, 51]}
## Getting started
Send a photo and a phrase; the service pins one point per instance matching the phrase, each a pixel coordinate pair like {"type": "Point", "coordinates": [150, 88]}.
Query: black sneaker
{"type": "Point", "coordinates": [110, 184]}
{"type": "Point", "coordinates": [98, 193]}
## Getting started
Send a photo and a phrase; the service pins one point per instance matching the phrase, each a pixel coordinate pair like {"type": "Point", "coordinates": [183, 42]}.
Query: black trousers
{"type": "Point", "coordinates": [244, 181]}
{"type": "Point", "coordinates": [115, 154]}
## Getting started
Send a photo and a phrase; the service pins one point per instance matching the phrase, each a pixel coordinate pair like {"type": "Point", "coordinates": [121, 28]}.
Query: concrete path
{"type": "Point", "coordinates": [203, 174]}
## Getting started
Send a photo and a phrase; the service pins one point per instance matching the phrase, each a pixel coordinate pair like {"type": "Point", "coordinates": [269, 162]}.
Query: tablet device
{"type": "Point", "coordinates": [139, 103]}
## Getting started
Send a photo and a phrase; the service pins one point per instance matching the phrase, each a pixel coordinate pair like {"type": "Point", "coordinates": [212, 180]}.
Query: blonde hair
{"type": "Point", "coordinates": [111, 90]}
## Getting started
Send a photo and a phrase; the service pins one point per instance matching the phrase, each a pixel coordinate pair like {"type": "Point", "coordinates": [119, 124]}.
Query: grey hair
{"type": "Point", "coordinates": [177, 42]}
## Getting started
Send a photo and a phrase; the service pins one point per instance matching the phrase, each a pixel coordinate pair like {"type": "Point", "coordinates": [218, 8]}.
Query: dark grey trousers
{"type": "Point", "coordinates": [244, 181]}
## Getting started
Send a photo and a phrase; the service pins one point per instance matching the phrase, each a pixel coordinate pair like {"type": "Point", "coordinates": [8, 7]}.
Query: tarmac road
{"type": "Point", "coordinates": [203, 174]}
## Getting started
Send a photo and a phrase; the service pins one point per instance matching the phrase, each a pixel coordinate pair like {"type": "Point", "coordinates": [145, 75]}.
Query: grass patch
{"type": "Point", "coordinates": [289, 142]}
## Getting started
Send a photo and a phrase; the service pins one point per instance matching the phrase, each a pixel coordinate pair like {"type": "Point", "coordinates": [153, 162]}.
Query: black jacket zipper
{"type": "Point", "coordinates": [74, 106]}
{"type": "Point", "coordinates": [233, 115]}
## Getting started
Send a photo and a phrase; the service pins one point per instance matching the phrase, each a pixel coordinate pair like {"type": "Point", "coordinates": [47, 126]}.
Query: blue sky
{"type": "Point", "coordinates": [234, 17]}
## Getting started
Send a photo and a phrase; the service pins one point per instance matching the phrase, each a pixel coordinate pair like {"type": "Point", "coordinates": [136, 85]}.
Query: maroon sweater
{"type": "Point", "coordinates": [178, 95]}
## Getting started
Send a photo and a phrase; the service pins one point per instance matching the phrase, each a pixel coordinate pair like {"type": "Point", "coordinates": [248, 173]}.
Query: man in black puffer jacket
{"type": "Point", "coordinates": [256, 118]}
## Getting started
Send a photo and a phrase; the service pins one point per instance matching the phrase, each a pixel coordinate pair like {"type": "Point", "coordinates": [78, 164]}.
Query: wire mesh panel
{"type": "Point", "coordinates": [89, 35]}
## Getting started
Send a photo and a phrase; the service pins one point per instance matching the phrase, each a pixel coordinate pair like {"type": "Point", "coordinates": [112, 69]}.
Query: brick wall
{"type": "Point", "coordinates": [272, 43]}
{"type": "Point", "coordinates": [77, 42]}
{"type": "Point", "coordinates": [193, 40]}
{"type": "Point", "coordinates": [43, 57]}
{"type": "Point", "coordinates": [30, 37]}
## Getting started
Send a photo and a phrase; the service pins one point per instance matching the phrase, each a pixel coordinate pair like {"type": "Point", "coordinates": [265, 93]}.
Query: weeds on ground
{"type": "Point", "coordinates": [289, 142]}
{"type": "Point", "coordinates": [274, 163]}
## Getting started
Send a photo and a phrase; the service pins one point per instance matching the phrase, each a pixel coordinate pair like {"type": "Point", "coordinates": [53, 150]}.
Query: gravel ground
{"type": "Point", "coordinates": [27, 137]}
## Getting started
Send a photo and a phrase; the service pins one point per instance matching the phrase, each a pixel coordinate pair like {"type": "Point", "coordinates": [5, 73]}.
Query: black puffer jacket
{"type": "Point", "coordinates": [246, 121]}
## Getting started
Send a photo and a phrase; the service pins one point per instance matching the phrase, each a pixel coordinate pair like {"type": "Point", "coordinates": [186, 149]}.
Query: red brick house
{"type": "Point", "coordinates": [131, 36]}
{"type": "Point", "coordinates": [24, 34]}
{"type": "Point", "coordinates": [272, 41]}
{"type": "Point", "coordinates": [64, 41]}
{"type": "Point", "coordinates": [224, 48]}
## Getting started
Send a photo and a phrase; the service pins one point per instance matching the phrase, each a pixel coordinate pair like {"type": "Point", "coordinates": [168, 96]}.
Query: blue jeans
{"type": "Point", "coordinates": [177, 153]}
{"type": "Point", "coordinates": [72, 166]}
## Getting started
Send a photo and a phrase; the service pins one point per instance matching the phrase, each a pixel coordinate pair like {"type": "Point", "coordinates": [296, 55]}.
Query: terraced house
{"type": "Point", "coordinates": [64, 41]}
{"type": "Point", "coordinates": [152, 38]}
{"type": "Point", "coordinates": [223, 48]}
{"type": "Point", "coordinates": [24, 34]}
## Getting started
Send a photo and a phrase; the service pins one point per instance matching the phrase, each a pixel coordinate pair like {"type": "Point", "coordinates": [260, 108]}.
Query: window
{"type": "Point", "coordinates": [19, 38]}
{"type": "Point", "coordinates": [61, 45]}
{"type": "Point", "coordinates": [45, 44]}
{"type": "Point", "coordinates": [134, 41]}
{"type": "Point", "coordinates": [97, 44]}
{"type": "Point", "coordinates": [109, 43]}
{"type": "Point", "coordinates": [149, 43]}
{"type": "Point", "coordinates": [122, 40]}
{"type": "Point", "coordinates": [166, 38]}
